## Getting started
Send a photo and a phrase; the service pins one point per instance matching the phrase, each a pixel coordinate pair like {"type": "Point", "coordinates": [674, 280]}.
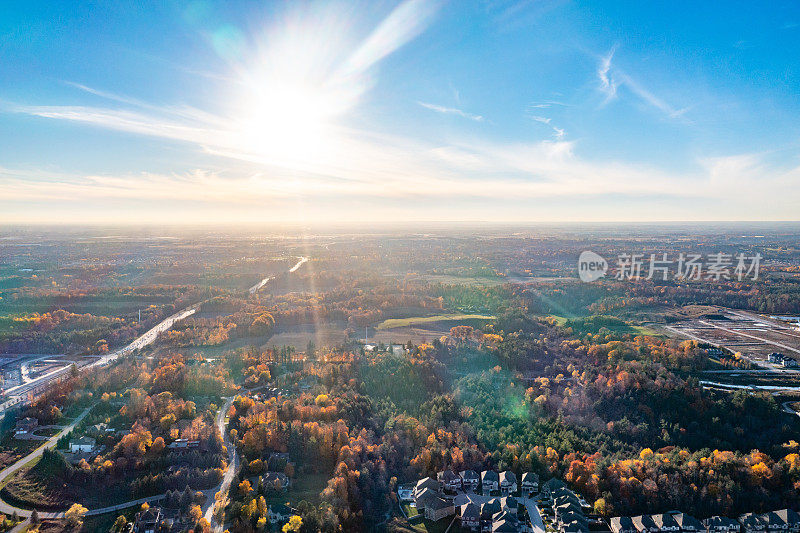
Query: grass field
{"type": "Point", "coordinates": [417, 320]}
{"type": "Point", "coordinates": [304, 487]}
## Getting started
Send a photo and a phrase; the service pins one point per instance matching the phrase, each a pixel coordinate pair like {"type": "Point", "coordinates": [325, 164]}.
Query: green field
{"type": "Point", "coordinates": [417, 320]}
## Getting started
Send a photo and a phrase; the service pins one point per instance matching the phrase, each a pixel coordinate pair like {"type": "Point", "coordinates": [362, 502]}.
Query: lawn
{"type": "Point", "coordinates": [304, 487]}
{"type": "Point", "coordinates": [410, 511]}
{"type": "Point", "coordinates": [417, 320]}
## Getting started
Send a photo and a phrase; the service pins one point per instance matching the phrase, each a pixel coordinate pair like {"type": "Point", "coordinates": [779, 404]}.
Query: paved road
{"type": "Point", "coordinates": [230, 472]}
{"type": "Point", "coordinates": [11, 470]}
{"type": "Point", "coordinates": [18, 394]}
{"type": "Point", "coordinates": [148, 337]}
{"type": "Point", "coordinates": [255, 288]}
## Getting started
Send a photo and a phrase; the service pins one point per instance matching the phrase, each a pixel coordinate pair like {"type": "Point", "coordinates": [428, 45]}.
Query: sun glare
{"type": "Point", "coordinates": [280, 120]}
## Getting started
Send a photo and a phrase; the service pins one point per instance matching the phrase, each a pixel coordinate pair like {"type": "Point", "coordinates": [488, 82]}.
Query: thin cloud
{"type": "Point", "coordinates": [607, 84]}
{"type": "Point", "coordinates": [559, 133]}
{"type": "Point", "coordinates": [406, 22]}
{"type": "Point", "coordinates": [451, 111]}
{"type": "Point", "coordinates": [611, 78]}
{"type": "Point", "coordinates": [547, 104]}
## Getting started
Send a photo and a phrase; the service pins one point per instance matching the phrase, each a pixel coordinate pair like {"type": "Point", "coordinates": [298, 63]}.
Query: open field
{"type": "Point", "coordinates": [415, 321]}
{"type": "Point", "coordinates": [305, 487]}
{"type": "Point", "coordinates": [299, 336]}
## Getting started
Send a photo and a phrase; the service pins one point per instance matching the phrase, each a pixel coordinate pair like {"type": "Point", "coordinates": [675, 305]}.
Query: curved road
{"type": "Point", "coordinates": [230, 472]}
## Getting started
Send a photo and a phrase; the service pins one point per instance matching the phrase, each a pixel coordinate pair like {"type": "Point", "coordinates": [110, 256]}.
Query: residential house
{"type": "Point", "coordinates": [752, 523]}
{"type": "Point", "coordinates": [277, 514]}
{"type": "Point", "coordinates": [82, 445]}
{"type": "Point", "coordinates": [26, 425]}
{"type": "Point", "coordinates": [421, 498]}
{"type": "Point", "coordinates": [278, 480]}
{"type": "Point", "coordinates": [530, 483]}
{"type": "Point", "coordinates": [550, 485]}
{"type": "Point", "coordinates": [622, 524]}
{"type": "Point", "coordinates": [470, 516]}
{"type": "Point", "coordinates": [183, 444]}
{"type": "Point", "coordinates": [574, 527]}
{"type": "Point", "coordinates": [560, 511]}
{"type": "Point", "coordinates": [791, 518]}
{"type": "Point", "coordinates": [571, 516]}
{"type": "Point", "coordinates": [449, 480]}
{"type": "Point", "coordinates": [774, 523]}
{"type": "Point", "coordinates": [437, 508]}
{"type": "Point", "coordinates": [509, 503]}
{"type": "Point", "coordinates": [645, 524]}
{"type": "Point", "coordinates": [460, 499]}
{"type": "Point", "coordinates": [505, 522]}
{"type": "Point", "coordinates": [490, 481]}
{"type": "Point", "coordinates": [666, 523]}
{"type": "Point", "coordinates": [470, 480]}
{"type": "Point", "coordinates": [721, 524]}
{"type": "Point", "coordinates": [508, 482]}
{"type": "Point", "coordinates": [488, 510]}
{"type": "Point", "coordinates": [426, 483]}
{"type": "Point", "coordinates": [688, 523]}
{"type": "Point", "coordinates": [147, 521]}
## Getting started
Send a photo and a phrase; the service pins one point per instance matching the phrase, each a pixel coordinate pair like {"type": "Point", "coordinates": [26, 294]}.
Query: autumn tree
{"type": "Point", "coordinates": [75, 514]}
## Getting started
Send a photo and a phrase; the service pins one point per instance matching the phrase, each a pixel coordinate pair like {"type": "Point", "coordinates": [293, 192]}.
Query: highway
{"type": "Point", "coordinates": [255, 288]}
{"type": "Point", "coordinates": [20, 393]}
{"type": "Point", "coordinates": [148, 337]}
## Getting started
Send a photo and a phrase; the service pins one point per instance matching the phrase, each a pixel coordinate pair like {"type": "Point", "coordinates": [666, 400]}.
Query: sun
{"type": "Point", "coordinates": [280, 120]}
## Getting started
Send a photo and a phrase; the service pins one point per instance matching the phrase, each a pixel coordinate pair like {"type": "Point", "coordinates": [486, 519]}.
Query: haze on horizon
{"type": "Point", "coordinates": [308, 112]}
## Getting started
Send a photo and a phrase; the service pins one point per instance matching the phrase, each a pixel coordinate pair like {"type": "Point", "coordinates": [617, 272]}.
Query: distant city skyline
{"type": "Point", "coordinates": [308, 112]}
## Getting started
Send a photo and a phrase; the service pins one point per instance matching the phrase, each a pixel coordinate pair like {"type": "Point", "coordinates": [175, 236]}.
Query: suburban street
{"type": "Point", "coordinates": [230, 472]}
{"type": "Point", "coordinates": [11, 470]}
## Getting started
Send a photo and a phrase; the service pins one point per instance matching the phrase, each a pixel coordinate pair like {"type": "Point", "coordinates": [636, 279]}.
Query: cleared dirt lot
{"type": "Point", "coordinates": [753, 335]}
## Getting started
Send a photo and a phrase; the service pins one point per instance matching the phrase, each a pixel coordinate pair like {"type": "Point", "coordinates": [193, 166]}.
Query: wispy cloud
{"type": "Point", "coordinates": [451, 111]}
{"type": "Point", "coordinates": [559, 133]}
{"type": "Point", "coordinates": [407, 21]}
{"type": "Point", "coordinates": [608, 85]}
{"type": "Point", "coordinates": [611, 78]}
{"type": "Point", "coordinates": [547, 104]}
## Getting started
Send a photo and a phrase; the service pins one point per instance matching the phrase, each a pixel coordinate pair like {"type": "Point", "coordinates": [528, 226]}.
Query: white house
{"type": "Point", "coordinates": [82, 445]}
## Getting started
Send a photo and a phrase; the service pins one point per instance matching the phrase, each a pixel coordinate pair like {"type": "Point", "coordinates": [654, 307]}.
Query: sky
{"type": "Point", "coordinates": [208, 112]}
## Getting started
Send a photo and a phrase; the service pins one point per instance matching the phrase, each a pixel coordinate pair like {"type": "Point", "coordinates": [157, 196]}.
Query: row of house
{"type": "Point", "coordinates": [488, 481]}
{"type": "Point", "coordinates": [494, 515]}
{"type": "Point", "coordinates": [783, 521]}
{"type": "Point", "coordinates": [478, 514]}
{"type": "Point", "coordinates": [568, 516]}
{"type": "Point", "coordinates": [780, 359]}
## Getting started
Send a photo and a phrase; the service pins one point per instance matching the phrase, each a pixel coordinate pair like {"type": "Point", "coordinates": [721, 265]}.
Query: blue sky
{"type": "Point", "coordinates": [415, 110]}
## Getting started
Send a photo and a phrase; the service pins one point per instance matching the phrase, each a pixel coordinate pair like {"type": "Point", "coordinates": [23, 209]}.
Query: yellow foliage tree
{"type": "Point", "coordinates": [293, 525]}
